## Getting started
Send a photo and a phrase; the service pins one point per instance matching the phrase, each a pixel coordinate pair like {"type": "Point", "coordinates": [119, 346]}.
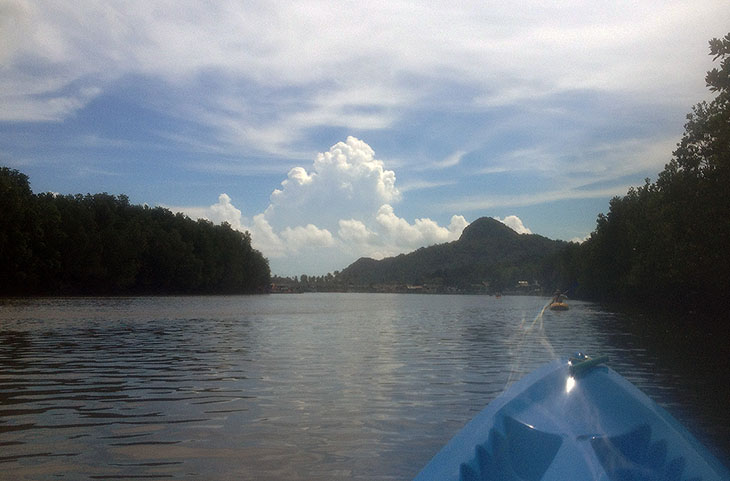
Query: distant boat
{"type": "Point", "coordinates": [573, 419]}
{"type": "Point", "coordinates": [559, 306]}
{"type": "Point", "coordinates": [558, 302]}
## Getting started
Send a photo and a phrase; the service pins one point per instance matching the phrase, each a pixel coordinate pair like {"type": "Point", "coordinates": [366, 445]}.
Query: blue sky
{"type": "Point", "coordinates": [334, 130]}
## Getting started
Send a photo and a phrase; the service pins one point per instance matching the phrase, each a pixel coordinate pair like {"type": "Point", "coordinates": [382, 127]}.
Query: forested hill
{"type": "Point", "coordinates": [664, 245]}
{"type": "Point", "coordinates": [101, 245]}
{"type": "Point", "coordinates": [487, 251]}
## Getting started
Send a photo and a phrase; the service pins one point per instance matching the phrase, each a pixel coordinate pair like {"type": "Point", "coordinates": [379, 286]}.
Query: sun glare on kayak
{"type": "Point", "coordinates": [569, 384]}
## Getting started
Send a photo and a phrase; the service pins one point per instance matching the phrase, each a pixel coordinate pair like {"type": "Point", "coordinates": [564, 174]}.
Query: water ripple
{"type": "Point", "coordinates": [310, 387]}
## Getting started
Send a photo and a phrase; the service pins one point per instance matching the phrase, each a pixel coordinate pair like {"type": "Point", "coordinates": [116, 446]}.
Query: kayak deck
{"type": "Point", "coordinates": [559, 424]}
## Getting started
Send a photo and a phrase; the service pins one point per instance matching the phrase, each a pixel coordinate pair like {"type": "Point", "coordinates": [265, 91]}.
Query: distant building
{"type": "Point", "coordinates": [280, 289]}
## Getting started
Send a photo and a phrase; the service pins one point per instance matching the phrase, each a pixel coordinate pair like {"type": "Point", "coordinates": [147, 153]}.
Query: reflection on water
{"type": "Point", "coordinates": [315, 387]}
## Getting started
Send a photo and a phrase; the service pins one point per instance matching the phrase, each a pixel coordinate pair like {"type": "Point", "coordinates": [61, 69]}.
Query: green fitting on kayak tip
{"type": "Point", "coordinates": [580, 363]}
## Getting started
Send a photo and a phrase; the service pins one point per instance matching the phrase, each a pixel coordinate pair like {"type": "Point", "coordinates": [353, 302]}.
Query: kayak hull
{"type": "Point", "coordinates": [558, 424]}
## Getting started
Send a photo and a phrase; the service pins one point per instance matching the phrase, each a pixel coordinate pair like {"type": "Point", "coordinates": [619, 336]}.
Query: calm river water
{"type": "Point", "coordinates": [285, 387]}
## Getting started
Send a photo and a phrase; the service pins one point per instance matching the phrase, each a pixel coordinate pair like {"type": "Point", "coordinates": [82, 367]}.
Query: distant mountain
{"type": "Point", "coordinates": [487, 251]}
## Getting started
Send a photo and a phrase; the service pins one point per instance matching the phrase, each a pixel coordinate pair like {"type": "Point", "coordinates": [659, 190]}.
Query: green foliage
{"type": "Point", "coordinates": [100, 244]}
{"type": "Point", "coordinates": [666, 243]}
{"type": "Point", "coordinates": [17, 229]}
{"type": "Point", "coordinates": [329, 282]}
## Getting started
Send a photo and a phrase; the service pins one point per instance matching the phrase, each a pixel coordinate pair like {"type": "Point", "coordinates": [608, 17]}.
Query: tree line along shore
{"type": "Point", "coordinates": [664, 243]}
{"type": "Point", "coordinates": [100, 244]}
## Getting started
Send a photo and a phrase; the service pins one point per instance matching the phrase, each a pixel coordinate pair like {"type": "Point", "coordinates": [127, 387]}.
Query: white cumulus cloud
{"type": "Point", "coordinates": [345, 182]}
{"type": "Point", "coordinates": [422, 232]}
{"type": "Point", "coordinates": [306, 237]}
{"type": "Point", "coordinates": [515, 223]}
{"type": "Point", "coordinates": [225, 211]}
{"type": "Point", "coordinates": [355, 232]}
{"type": "Point", "coordinates": [222, 211]}
{"type": "Point", "coordinates": [324, 217]}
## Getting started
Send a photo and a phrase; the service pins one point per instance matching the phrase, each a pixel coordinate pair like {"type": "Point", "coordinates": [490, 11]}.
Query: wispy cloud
{"type": "Point", "coordinates": [355, 71]}
{"type": "Point", "coordinates": [451, 161]}
{"type": "Point", "coordinates": [488, 202]}
{"type": "Point", "coordinates": [579, 168]}
{"type": "Point", "coordinates": [425, 184]}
